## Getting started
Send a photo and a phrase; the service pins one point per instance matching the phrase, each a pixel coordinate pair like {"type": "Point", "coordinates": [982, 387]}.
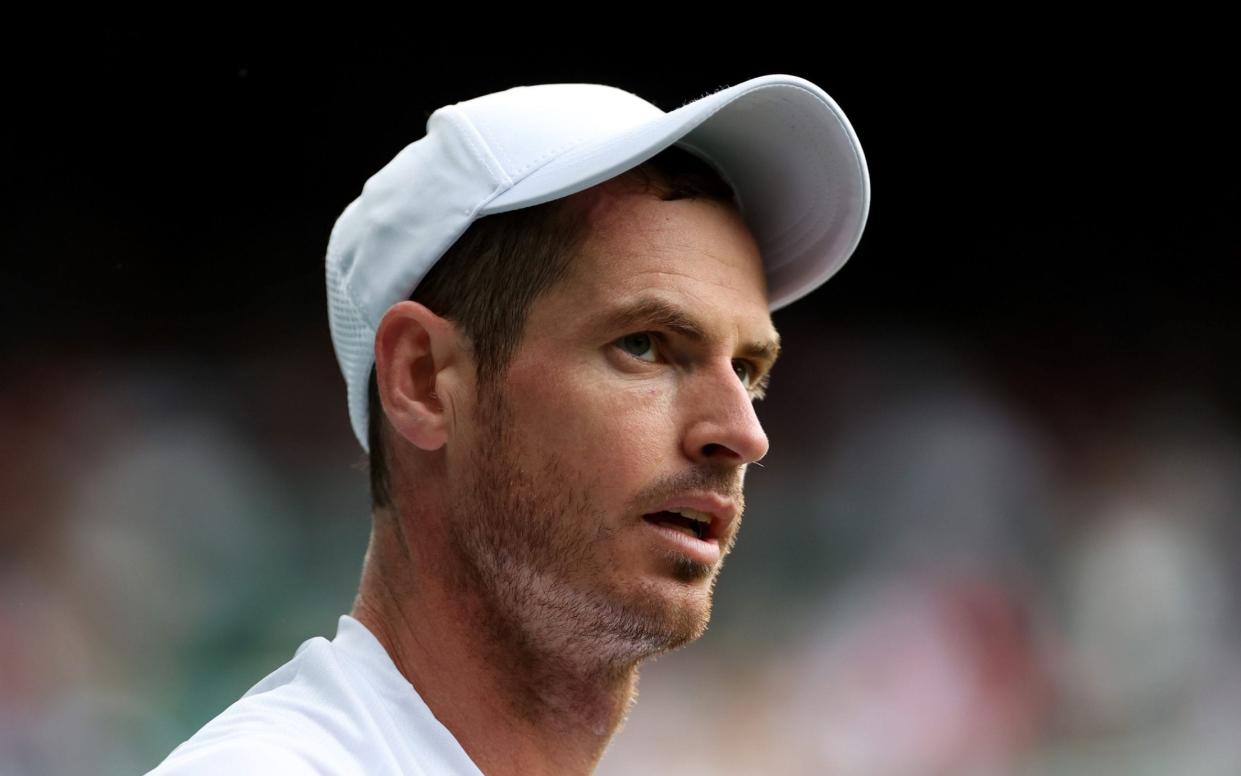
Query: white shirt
{"type": "Point", "coordinates": [338, 707]}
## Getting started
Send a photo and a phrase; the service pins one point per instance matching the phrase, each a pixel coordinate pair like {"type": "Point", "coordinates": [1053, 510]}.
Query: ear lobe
{"type": "Point", "coordinates": [416, 356]}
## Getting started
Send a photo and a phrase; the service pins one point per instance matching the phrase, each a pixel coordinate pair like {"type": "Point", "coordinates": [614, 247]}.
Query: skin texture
{"type": "Point", "coordinates": [514, 581]}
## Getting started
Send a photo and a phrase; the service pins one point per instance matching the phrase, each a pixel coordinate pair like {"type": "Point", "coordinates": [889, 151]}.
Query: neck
{"type": "Point", "coordinates": [515, 702]}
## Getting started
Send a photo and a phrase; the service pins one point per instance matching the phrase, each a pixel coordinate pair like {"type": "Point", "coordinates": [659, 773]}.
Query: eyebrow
{"type": "Point", "coordinates": [648, 311]}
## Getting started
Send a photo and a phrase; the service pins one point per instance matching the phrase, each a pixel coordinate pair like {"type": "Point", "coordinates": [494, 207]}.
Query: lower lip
{"type": "Point", "coordinates": [702, 550]}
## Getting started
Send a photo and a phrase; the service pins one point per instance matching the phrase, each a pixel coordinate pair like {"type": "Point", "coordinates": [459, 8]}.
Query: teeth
{"type": "Point", "coordinates": [693, 514]}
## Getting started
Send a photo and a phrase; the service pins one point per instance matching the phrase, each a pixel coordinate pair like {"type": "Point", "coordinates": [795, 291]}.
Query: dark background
{"type": "Point", "coordinates": [1056, 205]}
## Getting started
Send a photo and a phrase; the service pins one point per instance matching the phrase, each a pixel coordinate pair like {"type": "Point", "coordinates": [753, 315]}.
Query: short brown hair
{"type": "Point", "coordinates": [490, 276]}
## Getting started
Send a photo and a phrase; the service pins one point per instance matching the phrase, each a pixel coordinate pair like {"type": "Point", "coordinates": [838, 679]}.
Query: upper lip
{"type": "Point", "coordinates": [723, 511]}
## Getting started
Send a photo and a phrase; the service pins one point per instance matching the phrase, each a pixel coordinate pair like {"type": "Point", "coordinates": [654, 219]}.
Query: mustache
{"type": "Point", "coordinates": [725, 482]}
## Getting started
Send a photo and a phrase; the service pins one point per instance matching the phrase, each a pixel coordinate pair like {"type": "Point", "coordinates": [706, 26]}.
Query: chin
{"type": "Point", "coordinates": [673, 621]}
{"type": "Point", "coordinates": [687, 632]}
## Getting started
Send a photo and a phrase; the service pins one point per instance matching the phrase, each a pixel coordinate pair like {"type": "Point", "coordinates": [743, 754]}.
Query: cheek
{"type": "Point", "coordinates": [621, 428]}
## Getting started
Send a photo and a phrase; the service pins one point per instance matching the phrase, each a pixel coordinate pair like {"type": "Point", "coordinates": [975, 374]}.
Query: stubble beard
{"type": "Point", "coordinates": [526, 538]}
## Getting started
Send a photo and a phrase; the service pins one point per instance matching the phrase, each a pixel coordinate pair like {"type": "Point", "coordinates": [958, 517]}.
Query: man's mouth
{"type": "Point", "coordinates": [690, 521]}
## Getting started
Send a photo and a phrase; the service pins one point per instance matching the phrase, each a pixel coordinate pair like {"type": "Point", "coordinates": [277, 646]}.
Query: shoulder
{"type": "Point", "coordinates": [306, 717]}
{"type": "Point", "coordinates": [244, 755]}
{"type": "Point", "coordinates": [338, 707]}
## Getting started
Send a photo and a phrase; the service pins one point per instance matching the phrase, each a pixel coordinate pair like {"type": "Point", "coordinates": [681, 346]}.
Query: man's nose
{"type": "Point", "coordinates": [723, 426]}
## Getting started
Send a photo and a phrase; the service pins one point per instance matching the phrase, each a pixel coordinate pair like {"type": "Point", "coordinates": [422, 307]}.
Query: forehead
{"type": "Point", "coordinates": [695, 254]}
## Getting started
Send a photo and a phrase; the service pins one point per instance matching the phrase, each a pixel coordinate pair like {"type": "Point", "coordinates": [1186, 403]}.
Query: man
{"type": "Point", "coordinates": [552, 316]}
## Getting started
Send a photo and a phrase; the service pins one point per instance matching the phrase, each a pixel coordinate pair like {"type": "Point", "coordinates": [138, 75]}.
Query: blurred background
{"type": "Point", "coordinates": [997, 532]}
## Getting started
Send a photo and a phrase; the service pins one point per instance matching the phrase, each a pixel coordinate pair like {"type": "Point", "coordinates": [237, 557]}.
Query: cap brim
{"type": "Point", "coordinates": [783, 144]}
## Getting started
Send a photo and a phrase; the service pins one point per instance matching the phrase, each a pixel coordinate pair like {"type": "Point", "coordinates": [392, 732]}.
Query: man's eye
{"type": "Point", "coordinates": [639, 346]}
{"type": "Point", "coordinates": [745, 371]}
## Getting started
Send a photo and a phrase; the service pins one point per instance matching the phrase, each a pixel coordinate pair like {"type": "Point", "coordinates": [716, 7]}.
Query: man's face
{"type": "Point", "coordinates": [630, 393]}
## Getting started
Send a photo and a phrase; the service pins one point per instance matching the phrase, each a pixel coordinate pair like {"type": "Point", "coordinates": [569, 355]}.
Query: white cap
{"type": "Point", "coordinates": [785, 147]}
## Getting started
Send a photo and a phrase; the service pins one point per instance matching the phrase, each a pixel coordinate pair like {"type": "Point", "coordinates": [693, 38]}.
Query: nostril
{"type": "Point", "coordinates": [711, 449]}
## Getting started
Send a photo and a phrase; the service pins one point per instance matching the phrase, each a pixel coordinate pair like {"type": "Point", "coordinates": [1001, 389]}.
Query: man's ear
{"type": "Point", "coordinates": [418, 358]}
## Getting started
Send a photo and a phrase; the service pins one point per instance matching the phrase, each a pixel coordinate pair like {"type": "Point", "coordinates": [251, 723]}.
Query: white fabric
{"type": "Point", "coordinates": [787, 149]}
{"type": "Point", "coordinates": [338, 707]}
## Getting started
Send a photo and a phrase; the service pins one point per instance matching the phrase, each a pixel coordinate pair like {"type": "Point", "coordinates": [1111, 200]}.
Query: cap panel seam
{"type": "Point", "coordinates": [480, 148]}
